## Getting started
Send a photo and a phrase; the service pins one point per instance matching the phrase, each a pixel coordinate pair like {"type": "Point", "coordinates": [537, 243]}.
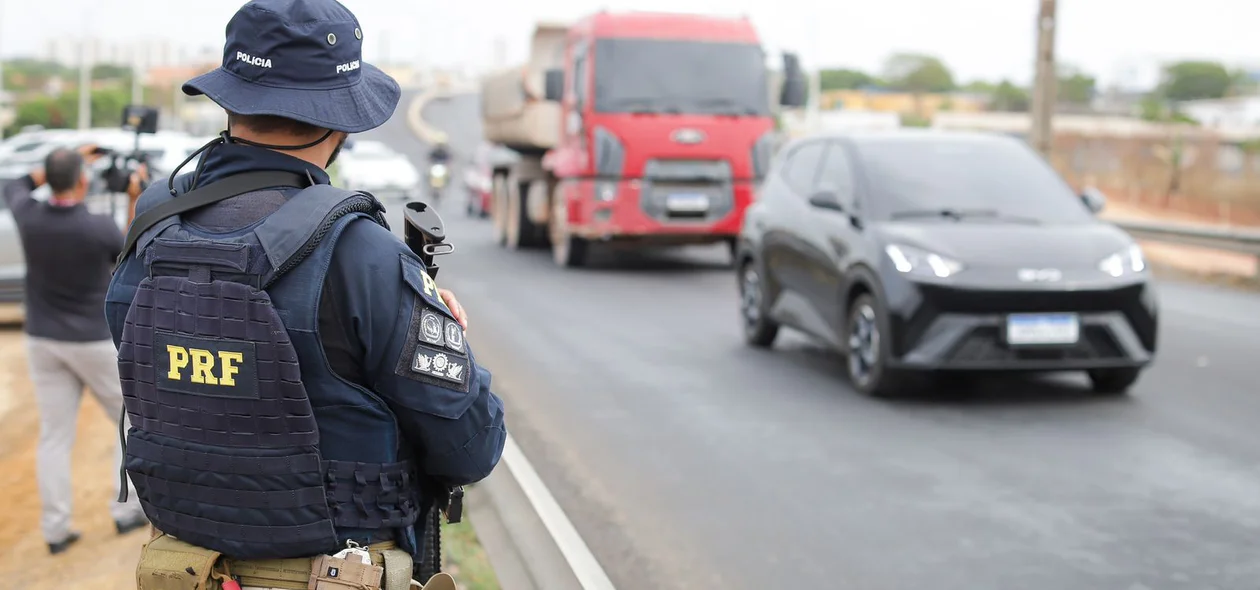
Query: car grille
{"type": "Point", "coordinates": [985, 345]}
{"type": "Point", "coordinates": [945, 299]}
{"type": "Point", "coordinates": [939, 299]}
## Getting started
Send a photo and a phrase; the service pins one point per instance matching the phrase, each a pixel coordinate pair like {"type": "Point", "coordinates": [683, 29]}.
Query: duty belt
{"type": "Point", "coordinates": [290, 574]}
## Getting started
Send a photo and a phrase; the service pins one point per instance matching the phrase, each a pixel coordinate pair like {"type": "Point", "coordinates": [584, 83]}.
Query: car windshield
{"type": "Point", "coordinates": [961, 178]}
{"type": "Point", "coordinates": [691, 77]}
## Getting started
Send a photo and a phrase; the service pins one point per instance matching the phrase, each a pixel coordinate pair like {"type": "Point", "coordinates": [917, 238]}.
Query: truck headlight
{"type": "Point", "coordinates": [1129, 260]}
{"type": "Point", "coordinates": [910, 260]}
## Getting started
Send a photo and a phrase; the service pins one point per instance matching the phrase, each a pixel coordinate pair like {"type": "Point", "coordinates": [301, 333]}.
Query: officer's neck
{"type": "Point", "coordinates": [317, 154]}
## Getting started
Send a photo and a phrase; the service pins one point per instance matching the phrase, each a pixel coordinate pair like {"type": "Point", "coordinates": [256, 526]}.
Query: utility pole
{"type": "Point", "coordinates": [137, 74]}
{"type": "Point", "coordinates": [815, 80]}
{"type": "Point", "coordinates": [1045, 89]}
{"type": "Point", "coordinates": [85, 84]}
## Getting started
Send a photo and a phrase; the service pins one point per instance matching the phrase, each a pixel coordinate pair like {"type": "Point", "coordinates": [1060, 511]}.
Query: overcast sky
{"type": "Point", "coordinates": [989, 39]}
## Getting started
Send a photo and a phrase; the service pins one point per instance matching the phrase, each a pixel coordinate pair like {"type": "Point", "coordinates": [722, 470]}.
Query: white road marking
{"type": "Point", "coordinates": [585, 567]}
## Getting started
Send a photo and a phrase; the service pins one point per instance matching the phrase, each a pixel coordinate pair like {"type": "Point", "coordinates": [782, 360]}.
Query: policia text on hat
{"type": "Point", "coordinates": [296, 383]}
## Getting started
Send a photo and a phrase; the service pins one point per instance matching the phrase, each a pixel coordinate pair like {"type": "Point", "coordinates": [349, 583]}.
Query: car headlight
{"type": "Point", "coordinates": [1129, 260]}
{"type": "Point", "coordinates": [911, 260]}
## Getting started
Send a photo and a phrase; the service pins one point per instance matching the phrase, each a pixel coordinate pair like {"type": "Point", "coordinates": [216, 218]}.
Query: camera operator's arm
{"type": "Point", "coordinates": [19, 190]}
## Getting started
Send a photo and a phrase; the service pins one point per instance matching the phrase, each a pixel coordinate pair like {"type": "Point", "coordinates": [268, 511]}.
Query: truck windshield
{"type": "Point", "coordinates": [683, 77]}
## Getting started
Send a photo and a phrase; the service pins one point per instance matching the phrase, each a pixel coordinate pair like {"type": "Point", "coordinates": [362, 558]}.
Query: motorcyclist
{"type": "Point", "coordinates": [441, 153]}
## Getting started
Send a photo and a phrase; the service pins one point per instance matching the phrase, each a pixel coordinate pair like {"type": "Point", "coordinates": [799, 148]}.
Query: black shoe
{"type": "Point", "coordinates": [55, 548]}
{"type": "Point", "coordinates": [131, 524]}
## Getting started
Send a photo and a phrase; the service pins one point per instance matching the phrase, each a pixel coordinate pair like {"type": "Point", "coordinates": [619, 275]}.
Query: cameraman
{"type": "Point", "coordinates": [69, 259]}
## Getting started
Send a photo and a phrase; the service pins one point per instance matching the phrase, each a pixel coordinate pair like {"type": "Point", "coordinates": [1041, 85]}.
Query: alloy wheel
{"type": "Point", "coordinates": [864, 343]}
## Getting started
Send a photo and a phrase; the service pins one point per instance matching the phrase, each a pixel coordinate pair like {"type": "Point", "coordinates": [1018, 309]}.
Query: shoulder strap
{"type": "Point", "coordinates": [304, 220]}
{"type": "Point", "coordinates": [224, 189]}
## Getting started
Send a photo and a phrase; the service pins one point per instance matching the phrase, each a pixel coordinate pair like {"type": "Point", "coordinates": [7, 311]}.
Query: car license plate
{"type": "Point", "coordinates": [1024, 329]}
{"type": "Point", "coordinates": [687, 203]}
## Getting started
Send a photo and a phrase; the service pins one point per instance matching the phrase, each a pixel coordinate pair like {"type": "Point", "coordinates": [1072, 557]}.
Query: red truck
{"type": "Point", "coordinates": [634, 128]}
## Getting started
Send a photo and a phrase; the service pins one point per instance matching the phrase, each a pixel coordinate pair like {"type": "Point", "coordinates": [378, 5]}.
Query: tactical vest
{"type": "Point", "coordinates": [218, 354]}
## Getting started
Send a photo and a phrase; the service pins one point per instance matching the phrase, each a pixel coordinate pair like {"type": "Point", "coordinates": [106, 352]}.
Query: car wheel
{"type": "Point", "coordinates": [759, 329]}
{"type": "Point", "coordinates": [1113, 381]}
{"type": "Point", "coordinates": [867, 333]}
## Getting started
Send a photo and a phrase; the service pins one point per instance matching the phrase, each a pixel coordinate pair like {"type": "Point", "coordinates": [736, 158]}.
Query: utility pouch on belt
{"type": "Point", "coordinates": [335, 573]}
{"type": "Point", "coordinates": [166, 563]}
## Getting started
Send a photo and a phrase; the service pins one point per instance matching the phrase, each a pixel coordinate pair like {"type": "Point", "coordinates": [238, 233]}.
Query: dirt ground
{"type": "Point", "coordinates": [101, 560]}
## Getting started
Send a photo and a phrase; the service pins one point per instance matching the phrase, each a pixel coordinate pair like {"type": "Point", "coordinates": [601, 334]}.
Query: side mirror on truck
{"type": "Point", "coordinates": [553, 85]}
{"type": "Point", "coordinates": [795, 91]}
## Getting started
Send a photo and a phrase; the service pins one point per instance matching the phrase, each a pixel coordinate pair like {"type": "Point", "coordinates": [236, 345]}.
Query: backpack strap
{"type": "Point", "coordinates": [227, 188]}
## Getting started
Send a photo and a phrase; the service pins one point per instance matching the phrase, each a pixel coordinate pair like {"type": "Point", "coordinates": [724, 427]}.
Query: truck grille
{"type": "Point", "coordinates": [688, 191]}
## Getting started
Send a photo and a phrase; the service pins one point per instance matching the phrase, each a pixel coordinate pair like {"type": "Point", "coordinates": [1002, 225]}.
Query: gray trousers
{"type": "Point", "coordinates": [59, 372]}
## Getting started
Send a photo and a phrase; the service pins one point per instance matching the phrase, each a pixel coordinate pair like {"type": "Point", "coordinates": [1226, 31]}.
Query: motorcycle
{"type": "Point", "coordinates": [438, 176]}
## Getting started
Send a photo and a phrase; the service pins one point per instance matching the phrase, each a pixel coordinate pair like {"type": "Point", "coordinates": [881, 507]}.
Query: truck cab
{"type": "Point", "coordinates": [666, 122]}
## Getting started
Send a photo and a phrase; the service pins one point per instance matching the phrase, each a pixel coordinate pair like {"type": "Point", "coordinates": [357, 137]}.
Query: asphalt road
{"type": "Point", "coordinates": [687, 460]}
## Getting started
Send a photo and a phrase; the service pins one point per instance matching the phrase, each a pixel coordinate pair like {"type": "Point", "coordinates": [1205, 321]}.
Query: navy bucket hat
{"type": "Point", "coordinates": [301, 60]}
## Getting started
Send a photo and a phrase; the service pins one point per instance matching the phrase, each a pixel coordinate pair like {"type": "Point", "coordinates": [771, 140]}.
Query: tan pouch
{"type": "Point", "coordinates": [166, 563]}
{"type": "Point", "coordinates": [285, 574]}
{"type": "Point", "coordinates": [335, 573]}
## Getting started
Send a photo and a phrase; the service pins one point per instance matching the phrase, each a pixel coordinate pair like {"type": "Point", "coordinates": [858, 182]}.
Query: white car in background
{"type": "Point", "coordinates": [373, 167]}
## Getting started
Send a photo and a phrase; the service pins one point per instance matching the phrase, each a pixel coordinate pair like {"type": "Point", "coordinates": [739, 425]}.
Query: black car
{"type": "Point", "coordinates": [922, 252]}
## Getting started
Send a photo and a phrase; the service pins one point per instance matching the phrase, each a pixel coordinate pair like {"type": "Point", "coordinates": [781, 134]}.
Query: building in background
{"type": "Point", "coordinates": [923, 105]}
{"type": "Point", "coordinates": [1238, 114]}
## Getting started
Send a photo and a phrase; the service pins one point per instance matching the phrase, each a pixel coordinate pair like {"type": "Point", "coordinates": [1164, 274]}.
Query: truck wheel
{"type": "Point", "coordinates": [498, 208]}
{"type": "Point", "coordinates": [520, 230]}
{"type": "Point", "coordinates": [568, 250]}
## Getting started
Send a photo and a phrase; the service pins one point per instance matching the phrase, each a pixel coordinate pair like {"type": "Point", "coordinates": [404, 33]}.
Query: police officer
{"type": "Point", "coordinates": [296, 383]}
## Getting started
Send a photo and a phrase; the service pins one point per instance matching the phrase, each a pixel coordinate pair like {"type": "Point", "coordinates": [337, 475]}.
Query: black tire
{"type": "Point", "coordinates": [498, 208]}
{"type": "Point", "coordinates": [567, 250]}
{"type": "Point", "coordinates": [1113, 381]}
{"type": "Point", "coordinates": [759, 330]}
{"type": "Point", "coordinates": [521, 233]}
{"type": "Point", "coordinates": [867, 332]}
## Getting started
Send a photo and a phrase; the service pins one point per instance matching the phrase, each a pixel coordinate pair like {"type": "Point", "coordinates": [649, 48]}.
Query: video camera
{"type": "Point", "coordinates": [117, 176]}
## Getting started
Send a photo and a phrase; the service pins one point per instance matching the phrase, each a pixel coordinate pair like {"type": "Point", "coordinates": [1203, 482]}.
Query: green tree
{"type": "Point", "coordinates": [1193, 80]}
{"type": "Point", "coordinates": [26, 74]}
{"type": "Point", "coordinates": [918, 73]}
{"type": "Point", "coordinates": [1008, 97]}
{"type": "Point", "coordinates": [62, 112]}
{"type": "Point", "coordinates": [844, 79]}
{"type": "Point", "coordinates": [111, 72]}
{"type": "Point", "coordinates": [1075, 86]}
{"type": "Point", "coordinates": [980, 87]}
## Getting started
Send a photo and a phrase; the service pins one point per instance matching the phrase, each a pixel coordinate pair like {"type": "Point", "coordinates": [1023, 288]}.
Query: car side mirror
{"type": "Point", "coordinates": [1094, 200]}
{"type": "Point", "coordinates": [826, 200]}
{"type": "Point", "coordinates": [795, 91]}
{"type": "Point", "coordinates": [553, 85]}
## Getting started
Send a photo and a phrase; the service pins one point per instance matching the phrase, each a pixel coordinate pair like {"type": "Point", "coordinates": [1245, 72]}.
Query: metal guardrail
{"type": "Point", "coordinates": [1217, 238]}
